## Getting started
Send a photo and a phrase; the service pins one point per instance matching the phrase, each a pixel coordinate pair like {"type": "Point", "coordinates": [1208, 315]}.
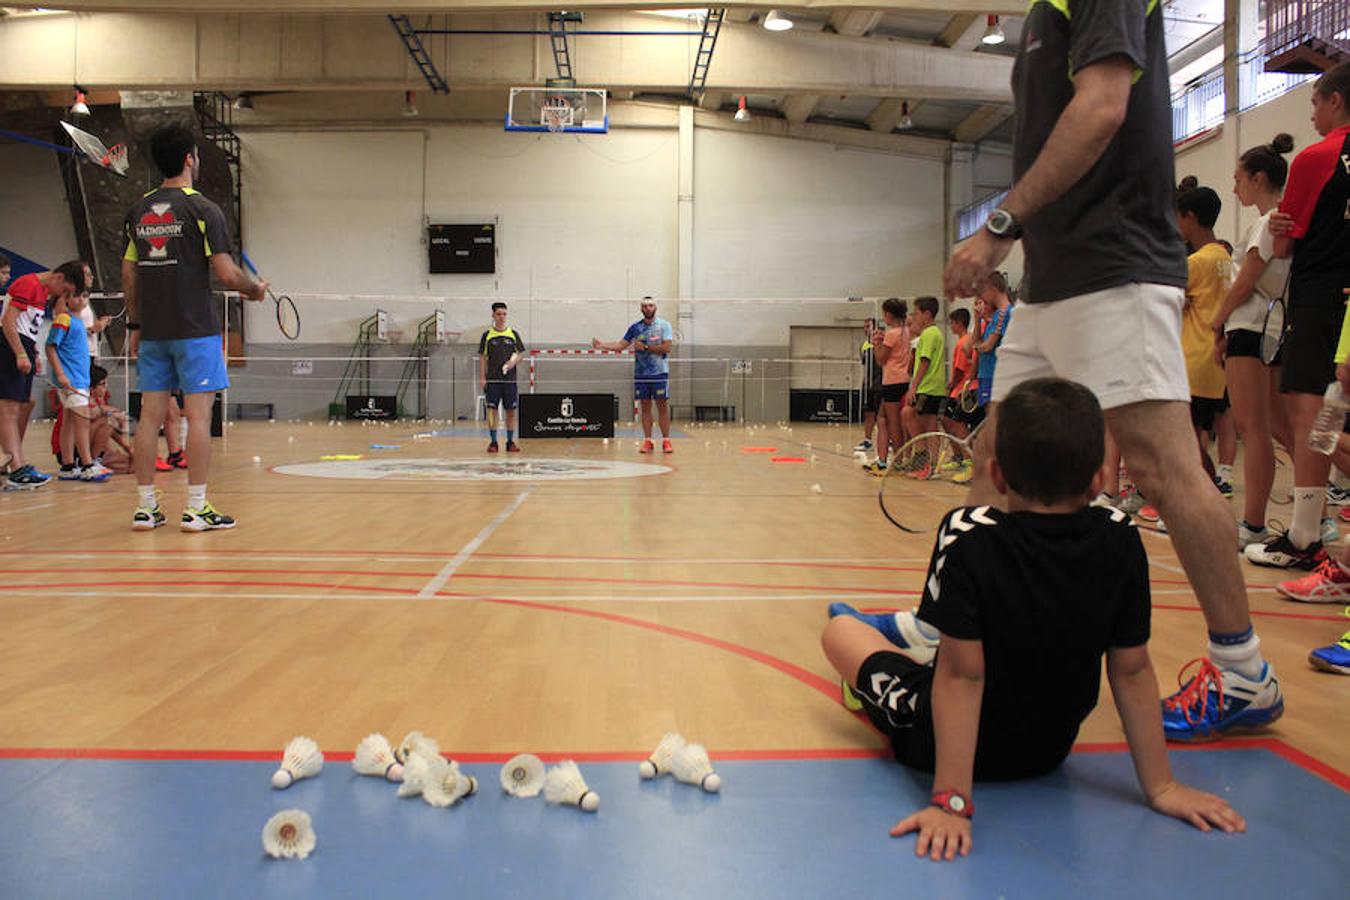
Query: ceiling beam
{"type": "Point", "coordinates": [412, 7]}
{"type": "Point", "coordinates": [958, 26]}
{"type": "Point", "coordinates": [712, 99]}
{"type": "Point", "coordinates": [855, 22]}
{"type": "Point", "coordinates": [799, 107]}
{"type": "Point", "coordinates": [978, 124]}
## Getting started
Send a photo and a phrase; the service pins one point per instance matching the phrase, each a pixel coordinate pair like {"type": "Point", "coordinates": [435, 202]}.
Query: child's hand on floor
{"type": "Point", "coordinates": [1200, 809]}
{"type": "Point", "coordinates": [941, 834]}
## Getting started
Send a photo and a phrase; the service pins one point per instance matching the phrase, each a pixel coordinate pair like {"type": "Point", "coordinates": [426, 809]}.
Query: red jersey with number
{"type": "Point", "coordinates": [29, 296]}
{"type": "Point", "coordinates": [1317, 197]}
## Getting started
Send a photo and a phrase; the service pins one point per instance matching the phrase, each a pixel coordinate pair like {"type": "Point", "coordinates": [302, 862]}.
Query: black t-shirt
{"type": "Point", "coordinates": [497, 347]}
{"type": "Point", "coordinates": [171, 235]}
{"type": "Point", "coordinates": [1115, 226]}
{"type": "Point", "coordinates": [1047, 595]}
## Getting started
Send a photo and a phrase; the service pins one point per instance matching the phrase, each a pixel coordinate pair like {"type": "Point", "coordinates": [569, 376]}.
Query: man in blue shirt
{"type": "Point", "coordinates": [652, 338]}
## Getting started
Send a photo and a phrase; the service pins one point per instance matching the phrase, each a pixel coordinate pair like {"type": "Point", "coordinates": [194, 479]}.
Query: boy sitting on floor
{"type": "Point", "coordinates": [1002, 663]}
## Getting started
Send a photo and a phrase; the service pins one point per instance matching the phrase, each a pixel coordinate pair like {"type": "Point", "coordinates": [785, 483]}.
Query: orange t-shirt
{"type": "Point", "coordinates": [896, 368]}
{"type": "Point", "coordinates": [963, 361]}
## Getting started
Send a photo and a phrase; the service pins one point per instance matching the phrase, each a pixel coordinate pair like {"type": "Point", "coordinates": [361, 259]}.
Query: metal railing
{"type": "Point", "coordinates": [1290, 23]}
{"type": "Point", "coordinates": [1200, 105]}
{"type": "Point", "coordinates": [970, 219]}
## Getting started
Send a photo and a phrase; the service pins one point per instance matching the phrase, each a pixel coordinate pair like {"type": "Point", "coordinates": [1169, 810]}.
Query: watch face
{"type": "Point", "coordinates": [957, 803]}
{"type": "Point", "coordinates": [999, 222]}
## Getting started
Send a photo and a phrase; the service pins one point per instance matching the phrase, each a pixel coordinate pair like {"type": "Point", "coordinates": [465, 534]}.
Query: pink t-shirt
{"type": "Point", "coordinates": [896, 368]}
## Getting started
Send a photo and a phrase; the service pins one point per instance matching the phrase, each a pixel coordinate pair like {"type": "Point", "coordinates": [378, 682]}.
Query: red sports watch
{"type": "Point", "coordinates": [954, 802]}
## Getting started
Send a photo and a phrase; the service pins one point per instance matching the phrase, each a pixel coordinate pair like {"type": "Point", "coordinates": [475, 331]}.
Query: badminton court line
{"type": "Point", "coordinates": [447, 571]}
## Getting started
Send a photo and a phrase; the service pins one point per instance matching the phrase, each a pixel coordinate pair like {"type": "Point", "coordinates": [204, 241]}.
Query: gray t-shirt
{"type": "Point", "coordinates": [1116, 225]}
{"type": "Point", "coordinates": [171, 235]}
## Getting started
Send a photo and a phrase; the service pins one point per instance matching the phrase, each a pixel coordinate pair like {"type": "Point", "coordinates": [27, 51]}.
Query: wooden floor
{"type": "Point", "coordinates": [584, 616]}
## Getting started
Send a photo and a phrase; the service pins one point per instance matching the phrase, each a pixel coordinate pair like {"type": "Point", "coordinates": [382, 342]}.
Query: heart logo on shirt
{"type": "Point", "coordinates": [157, 237]}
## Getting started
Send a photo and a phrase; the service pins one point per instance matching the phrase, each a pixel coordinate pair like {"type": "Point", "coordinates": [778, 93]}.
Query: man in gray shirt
{"type": "Point", "coordinates": [1102, 301]}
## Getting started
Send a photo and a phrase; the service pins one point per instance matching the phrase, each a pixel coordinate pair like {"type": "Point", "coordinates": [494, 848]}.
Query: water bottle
{"type": "Point", "coordinates": [1326, 429]}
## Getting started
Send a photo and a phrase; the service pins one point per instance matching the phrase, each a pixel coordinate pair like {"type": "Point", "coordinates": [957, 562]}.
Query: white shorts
{"type": "Point", "coordinates": [73, 399]}
{"type": "Point", "coordinates": [1123, 344]}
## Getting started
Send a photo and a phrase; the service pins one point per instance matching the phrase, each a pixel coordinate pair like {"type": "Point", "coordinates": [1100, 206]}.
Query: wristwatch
{"type": "Point", "coordinates": [954, 802]}
{"type": "Point", "coordinates": [1001, 224]}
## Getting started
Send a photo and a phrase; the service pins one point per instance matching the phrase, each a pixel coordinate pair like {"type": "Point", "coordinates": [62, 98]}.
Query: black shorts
{"type": "Point", "coordinates": [894, 393]}
{"type": "Point", "coordinates": [504, 392]}
{"type": "Point", "coordinates": [1309, 347]}
{"type": "Point", "coordinates": [957, 414]}
{"type": "Point", "coordinates": [1204, 410]}
{"type": "Point", "coordinates": [871, 399]}
{"type": "Point", "coordinates": [1244, 343]}
{"type": "Point", "coordinates": [929, 404]}
{"type": "Point", "coordinates": [15, 385]}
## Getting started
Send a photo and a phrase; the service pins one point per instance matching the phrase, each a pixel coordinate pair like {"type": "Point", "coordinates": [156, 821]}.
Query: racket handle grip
{"type": "Point", "coordinates": [248, 263]}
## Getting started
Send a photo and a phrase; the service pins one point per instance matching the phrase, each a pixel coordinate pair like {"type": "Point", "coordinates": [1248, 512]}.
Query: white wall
{"type": "Point", "coordinates": [34, 218]}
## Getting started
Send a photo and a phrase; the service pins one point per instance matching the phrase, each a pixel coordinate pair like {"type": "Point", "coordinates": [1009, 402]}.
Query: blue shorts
{"type": "Point", "coordinates": [190, 365]}
{"type": "Point", "coordinates": [651, 387]}
{"type": "Point", "coordinates": [507, 393]}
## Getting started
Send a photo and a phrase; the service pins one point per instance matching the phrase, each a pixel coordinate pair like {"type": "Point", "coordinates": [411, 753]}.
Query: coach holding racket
{"type": "Point", "coordinates": [176, 239]}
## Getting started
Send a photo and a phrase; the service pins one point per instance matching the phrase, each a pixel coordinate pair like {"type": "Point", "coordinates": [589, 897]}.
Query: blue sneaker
{"type": "Point", "coordinates": [1215, 702]}
{"type": "Point", "coordinates": [26, 478]}
{"type": "Point", "coordinates": [900, 628]}
{"type": "Point", "coordinates": [1335, 658]}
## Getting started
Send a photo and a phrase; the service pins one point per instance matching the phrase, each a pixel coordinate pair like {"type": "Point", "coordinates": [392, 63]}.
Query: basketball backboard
{"type": "Point", "coordinates": [558, 109]}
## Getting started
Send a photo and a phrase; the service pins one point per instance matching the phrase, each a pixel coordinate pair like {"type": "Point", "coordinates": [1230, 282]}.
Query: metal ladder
{"type": "Point", "coordinates": [557, 36]}
{"type": "Point", "coordinates": [712, 26]}
{"type": "Point", "coordinates": [404, 26]}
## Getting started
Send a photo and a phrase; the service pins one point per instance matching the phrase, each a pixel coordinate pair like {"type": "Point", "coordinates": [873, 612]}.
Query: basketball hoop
{"type": "Point", "coordinates": [116, 159]}
{"type": "Point", "coordinates": [555, 117]}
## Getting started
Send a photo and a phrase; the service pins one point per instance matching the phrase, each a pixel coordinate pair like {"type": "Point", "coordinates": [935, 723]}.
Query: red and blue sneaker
{"type": "Point", "coordinates": [1215, 702]}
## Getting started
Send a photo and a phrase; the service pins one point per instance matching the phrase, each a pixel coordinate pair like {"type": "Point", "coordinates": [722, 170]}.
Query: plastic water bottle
{"type": "Point", "coordinates": [1326, 429]}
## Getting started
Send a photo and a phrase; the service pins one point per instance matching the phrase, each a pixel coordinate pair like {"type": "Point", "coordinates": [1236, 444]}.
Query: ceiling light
{"type": "Point", "coordinates": [409, 104]}
{"type": "Point", "coordinates": [776, 21]}
{"type": "Point", "coordinates": [906, 122]}
{"type": "Point", "coordinates": [79, 107]}
{"type": "Point", "coordinates": [993, 33]}
{"type": "Point", "coordinates": [742, 114]}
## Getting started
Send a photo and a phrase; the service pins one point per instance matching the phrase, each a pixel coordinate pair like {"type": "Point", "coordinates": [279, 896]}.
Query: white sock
{"type": "Point", "coordinates": [1307, 526]}
{"type": "Point", "coordinates": [1244, 658]}
{"type": "Point", "coordinates": [196, 498]}
{"type": "Point", "coordinates": [928, 631]}
{"type": "Point", "coordinates": [1225, 473]}
{"type": "Point", "coordinates": [147, 492]}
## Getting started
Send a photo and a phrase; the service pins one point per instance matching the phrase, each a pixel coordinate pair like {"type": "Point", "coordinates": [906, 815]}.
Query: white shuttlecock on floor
{"type": "Point", "coordinates": [692, 766]}
{"type": "Point", "coordinates": [416, 742]}
{"type": "Point", "coordinates": [659, 762]}
{"type": "Point", "coordinates": [446, 785]}
{"type": "Point", "coordinates": [417, 772]}
{"type": "Point", "coordinates": [564, 785]}
{"type": "Point", "coordinates": [289, 835]}
{"type": "Point", "coordinates": [302, 759]}
{"type": "Point", "coordinates": [375, 756]}
{"type": "Point", "coordinates": [817, 489]}
{"type": "Point", "coordinates": [523, 775]}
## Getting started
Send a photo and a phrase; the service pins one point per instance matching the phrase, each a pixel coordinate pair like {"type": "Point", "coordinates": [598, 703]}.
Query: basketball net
{"type": "Point", "coordinates": [556, 118]}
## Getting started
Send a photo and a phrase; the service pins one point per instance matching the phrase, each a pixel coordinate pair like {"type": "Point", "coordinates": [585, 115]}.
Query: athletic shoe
{"type": "Point", "coordinates": [161, 465]}
{"type": "Point", "coordinates": [953, 465]}
{"type": "Point", "coordinates": [95, 472]}
{"type": "Point", "coordinates": [26, 478]}
{"type": "Point", "coordinates": [1344, 514]}
{"type": "Point", "coordinates": [1251, 535]}
{"type": "Point", "coordinates": [147, 518]}
{"type": "Point", "coordinates": [875, 467]}
{"type": "Point", "coordinates": [967, 472]}
{"type": "Point", "coordinates": [1330, 533]}
{"type": "Point", "coordinates": [1282, 554]}
{"type": "Point", "coordinates": [74, 473]}
{"type": "Point", "coordinates": [1328, 583]}
{"type": "Point", "coordinates": [899, 628]}
{"type": "Point", "coordinates": [1215, 702]}
{"type": "Point", "coordinates": [1335, 658]}
{"type": "Point", "coordinates": [647, 446]}
{"type": "Point", "coordinates": [922, 474]}
{"type": "Point", "coordinates": [204, 519]}
{"type": "Point", "coordinates": [1224, 487]}
{"type": "Point", "coordinates": [1130, 501]}
{"type": "Point", "coordinates": [511, 447]}
{"type": "Point", "coordinates": [1337, 496]}
{"type": "Point", "coordinates": [177, 460]}
{"type": "Point", "coordinates": [667, 446]}
{"type": "Point", "coordinates": [862, 446]}
{"type": "Point", "coordinates": [1103, 499]}
{"type": "Point", "coordinates": [493, 448]}
{"type": "Point", "coordinates": [849, 699]}
{"type": "Point", "coordinates": [1148, 512]}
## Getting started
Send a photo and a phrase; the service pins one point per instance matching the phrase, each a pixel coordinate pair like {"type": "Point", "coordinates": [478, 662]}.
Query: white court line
{"type": "Point", "coordinates": [449, 569]}
{"type": "Point", "coordinates": [540, 560]}
{"type": "Point", "coordinates": [112, 594]}
{"type": "Point", "coordinates": [24, 509]}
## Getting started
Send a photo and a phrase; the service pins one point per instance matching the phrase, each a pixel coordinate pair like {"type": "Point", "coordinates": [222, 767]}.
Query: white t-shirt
{"type": "Point", "coordinates": [1251, 315]}
{"type": "Point", "coordinates": [87, 317]}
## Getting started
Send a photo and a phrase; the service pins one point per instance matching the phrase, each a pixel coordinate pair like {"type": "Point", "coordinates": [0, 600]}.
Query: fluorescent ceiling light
{"type": "Point", "coordinates": [906, 122]}
{"type": "Point", "coordinates": [776, 21]}
{"type": "Point", "coordinates": [79, 107]}
{"type": "Point", "coordinates": [742, 114]}
{"type": "Point", "coordinates": [993, 33]}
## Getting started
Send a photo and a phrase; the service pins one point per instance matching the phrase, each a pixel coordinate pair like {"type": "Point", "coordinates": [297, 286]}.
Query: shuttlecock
{"type": "Point", "coordinates": [374, 756]}
{"type": "Point", "coordinates": [523, 775]}
{"type": "Point", "coordinates": [418, 772]}
{"type": "Point", "coordinates": [416, 742]}
{"type": "Point", "coordinates": [446, 785]}
{"type": "Point", "coordinates": [563, 784]}
{"type": "Point", "coordinates": [302, 760]}
{"type": "Point", "coordinates": [659, 762]}
{"type": "Point", "coordinates": [817, 489]}
{"type": "Point", "coordinates": [692, 766]}
{"type": "Point", "coordinates": [289, 835]}
{"type": "Point", "coordinates": [257, 459]}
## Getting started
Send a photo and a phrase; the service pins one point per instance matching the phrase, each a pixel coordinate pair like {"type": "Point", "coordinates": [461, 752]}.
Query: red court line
{"type": "Point", "coordinates": [1271, 614]}
{"type": "Point", "coordinates": [648, 582]}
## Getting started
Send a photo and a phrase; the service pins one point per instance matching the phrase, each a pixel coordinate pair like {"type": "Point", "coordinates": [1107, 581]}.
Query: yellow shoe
{"type": "Point", "coordinates": [964, 476]}
{"type": "Point", "coordinates": [851, 701]}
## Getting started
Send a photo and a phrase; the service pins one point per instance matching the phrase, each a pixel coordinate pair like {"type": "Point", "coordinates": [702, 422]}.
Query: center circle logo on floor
{"type": "Point", "coordinates": [473, 469]}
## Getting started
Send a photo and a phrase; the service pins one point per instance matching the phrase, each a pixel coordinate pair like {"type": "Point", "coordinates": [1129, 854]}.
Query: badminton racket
{"type": "Point", "coordinates": [920, 487]}
{"type": "Point", "coordinates": [288, 317]}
